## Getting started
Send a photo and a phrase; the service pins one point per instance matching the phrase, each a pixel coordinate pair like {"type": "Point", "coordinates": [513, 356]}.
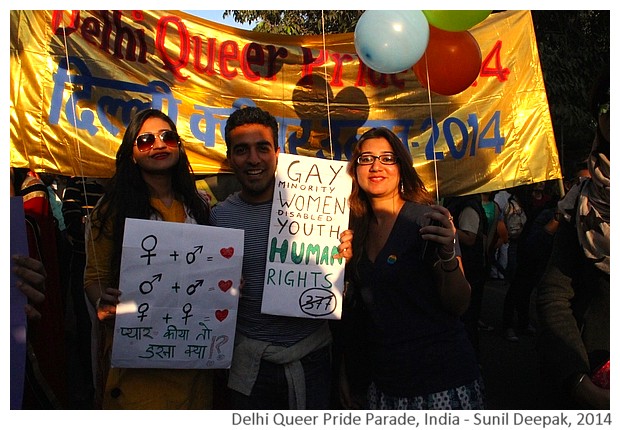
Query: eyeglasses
{"type": "Point", "coordinates": [367, 159]}
{"type": "Point", "coordinates": [145, 141]}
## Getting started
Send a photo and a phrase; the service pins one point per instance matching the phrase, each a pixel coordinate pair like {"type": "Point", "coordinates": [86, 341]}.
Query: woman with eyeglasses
{"type": "Point", "coordinates": [406, 288]}
{"type": "Point", "coordinates": [153, 180]}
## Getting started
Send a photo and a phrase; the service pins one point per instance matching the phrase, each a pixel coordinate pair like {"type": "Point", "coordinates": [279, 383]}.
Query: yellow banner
{"type": "Point", "coordinates": [78, 76]}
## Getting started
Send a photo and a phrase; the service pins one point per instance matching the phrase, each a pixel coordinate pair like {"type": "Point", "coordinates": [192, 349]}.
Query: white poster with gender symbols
{"type": "Point", "coordinates": [180, 290]}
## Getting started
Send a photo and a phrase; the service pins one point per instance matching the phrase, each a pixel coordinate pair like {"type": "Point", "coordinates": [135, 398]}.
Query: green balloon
{"type": "Point", "coordinates": [455, 20]}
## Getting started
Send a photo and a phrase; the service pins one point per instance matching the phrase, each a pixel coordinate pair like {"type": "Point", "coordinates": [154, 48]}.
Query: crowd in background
{"type": "Point", "coordinates": [510, 235]}
{"type": "Point", "coordinates": [64, 335]}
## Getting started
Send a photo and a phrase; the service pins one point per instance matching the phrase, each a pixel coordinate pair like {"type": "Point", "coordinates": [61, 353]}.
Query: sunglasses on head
{"type": "Point", "coordinates": [145, 141]}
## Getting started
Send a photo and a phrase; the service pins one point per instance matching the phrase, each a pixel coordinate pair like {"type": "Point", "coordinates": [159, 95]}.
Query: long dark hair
{"type": "Point", "coordinates": [127, 194]}
{"type": "Point", "coordinates": [411, 187]}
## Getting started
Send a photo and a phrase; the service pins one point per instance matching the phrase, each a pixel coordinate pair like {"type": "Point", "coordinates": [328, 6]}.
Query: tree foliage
{"type": "Point", "coordinates": [573, 46]}
{"type": "Point", "coordinates": [298, 22]}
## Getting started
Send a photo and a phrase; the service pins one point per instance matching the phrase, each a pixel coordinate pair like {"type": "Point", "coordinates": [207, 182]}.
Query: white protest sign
{"type": "Point", "coordinates": [180, 289]}
{"type": "Point", "coordinates": [310, 210]}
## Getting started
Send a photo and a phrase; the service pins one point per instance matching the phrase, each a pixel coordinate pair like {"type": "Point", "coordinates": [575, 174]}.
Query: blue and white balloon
{"type": "Point", "coordinates": [391, 41]}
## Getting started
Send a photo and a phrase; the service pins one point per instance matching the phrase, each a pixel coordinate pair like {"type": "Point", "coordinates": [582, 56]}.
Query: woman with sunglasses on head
{"type": "Point", "coordinates": [419, 356]}
{"type": "Point", "coordinates": [153, 180]}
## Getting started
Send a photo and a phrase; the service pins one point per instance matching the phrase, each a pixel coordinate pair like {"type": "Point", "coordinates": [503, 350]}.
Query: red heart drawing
{"type": "Point", "coordinates": [227, 252]}
{"type": "Point", "coordinates": [224, 285]}
{"type": "Point", "coordinates": [221, 314]}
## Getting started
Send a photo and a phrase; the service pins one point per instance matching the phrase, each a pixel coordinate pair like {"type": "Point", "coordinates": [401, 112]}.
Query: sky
{"type": "Point", "coordinates": [216, 15]}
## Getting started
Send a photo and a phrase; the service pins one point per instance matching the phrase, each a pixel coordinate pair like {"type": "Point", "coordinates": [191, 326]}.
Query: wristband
{"type": "Point", "coordinates": [452, 256]}
{"type": "Point", "coordinates": [579, 381]}
{"type": "Point", "coordinates": [451, 270]}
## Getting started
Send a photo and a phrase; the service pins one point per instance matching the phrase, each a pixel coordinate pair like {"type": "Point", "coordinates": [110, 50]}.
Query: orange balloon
{"type": "Point", "coordinates": [453, 60]}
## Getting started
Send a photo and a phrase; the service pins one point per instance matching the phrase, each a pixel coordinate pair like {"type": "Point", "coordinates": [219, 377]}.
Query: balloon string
{"type": "Point", "coordinates": [79, 151]}
{"type": "Point", "coordinates": [430, 109]}
{"type": "Point", "coordinates": [329, 122]}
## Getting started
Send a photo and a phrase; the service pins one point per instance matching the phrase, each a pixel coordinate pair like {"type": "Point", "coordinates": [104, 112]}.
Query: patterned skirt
{"type": "Point", "coordinates": [466, 397]}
